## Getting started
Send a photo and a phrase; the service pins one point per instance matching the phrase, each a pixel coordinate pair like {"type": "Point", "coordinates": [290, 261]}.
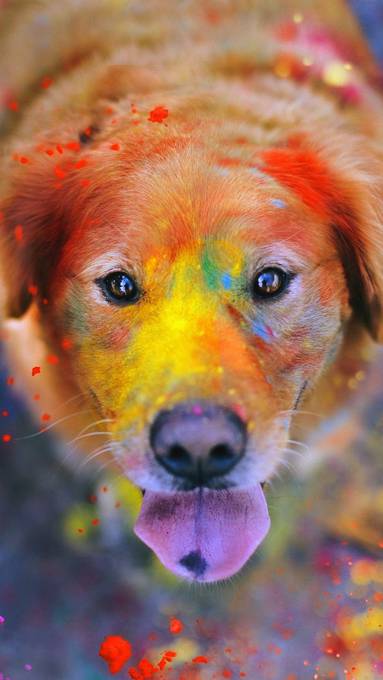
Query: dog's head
{"type": "Point", "coordinates": [205, 284]}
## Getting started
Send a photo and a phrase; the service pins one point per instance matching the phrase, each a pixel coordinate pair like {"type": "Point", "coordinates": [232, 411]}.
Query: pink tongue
{"type": "Point", "coordinates": [204, 535]}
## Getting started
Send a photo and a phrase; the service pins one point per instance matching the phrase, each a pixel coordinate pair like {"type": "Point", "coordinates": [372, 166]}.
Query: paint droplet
{"type": "Point", "coordinates": [18, 232]}
{"type": "Point", "coordinates": [46, 82]}
{"type": "Point", "coordinates": [158, 114]}
{"type": "Point", "coordinates": [175, 626]}
{"type": "Point", "coordinates": [115, 651]}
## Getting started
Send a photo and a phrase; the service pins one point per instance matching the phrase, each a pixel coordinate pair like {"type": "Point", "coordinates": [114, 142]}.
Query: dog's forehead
{"type": "Point", "coordinates": [182, 200]}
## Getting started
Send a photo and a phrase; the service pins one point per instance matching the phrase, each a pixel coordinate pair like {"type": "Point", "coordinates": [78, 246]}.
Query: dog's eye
{"type": "Point", "coordinates": [269, 282]}
{"type": "Point", "coordinates": [119, 288]}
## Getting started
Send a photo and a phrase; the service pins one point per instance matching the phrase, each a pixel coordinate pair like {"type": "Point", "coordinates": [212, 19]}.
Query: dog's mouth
{"type": "Point", "coordinates": [204, 534]}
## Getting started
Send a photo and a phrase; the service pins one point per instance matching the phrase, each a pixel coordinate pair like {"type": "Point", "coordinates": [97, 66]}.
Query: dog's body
{"type": "Point", "coordinates": [231, 177]}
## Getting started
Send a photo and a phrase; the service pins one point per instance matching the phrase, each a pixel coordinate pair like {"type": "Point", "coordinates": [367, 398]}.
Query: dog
{"type": "Point", "coordinates": [192, 245]}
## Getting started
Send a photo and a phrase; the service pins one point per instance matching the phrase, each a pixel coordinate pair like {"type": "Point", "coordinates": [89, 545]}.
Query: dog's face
{"type": "Point", "coordinates": [201, 299]}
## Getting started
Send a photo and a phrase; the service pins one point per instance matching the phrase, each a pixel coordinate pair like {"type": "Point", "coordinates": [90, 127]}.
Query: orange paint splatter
{"type": "Point", "coordinates": [115, 651]}
{"type": "Point", "coordinates": [158, 114]}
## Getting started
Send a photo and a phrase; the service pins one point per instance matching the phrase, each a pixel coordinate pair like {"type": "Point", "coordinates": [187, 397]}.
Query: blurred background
{"type": "Point", "coordinates": [308, 605]}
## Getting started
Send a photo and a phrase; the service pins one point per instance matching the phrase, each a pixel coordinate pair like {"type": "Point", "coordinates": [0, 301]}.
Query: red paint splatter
{"type": "Point", "coordinates": [7, 437]}
{"type": "Point", "coordinates": [59, 172]}
{"type": "Point", "coordinates": [45, 416]}
{"type": "Point", "coordinates": [158, 114]}
{"type": "Point", "coordinates": [115, 147]}
{"type": "Point", "coordinates": [66, 343]}
{"type": "Point", "coordinates": [200, 659]}
{"type": "Point", "coordinates": [24, 160]}
{"type": "Point", "coordinates": [10, 380]}
{"type": "Point", "coordinates": [115, 651]}
{"type": "Point", "coordinates": [52, 359]}
{"type": "Point", "coordinates": [32, 289]}
{"type": "Point", "coordinates": [175, 626]}
{"type": "Point", "coordinates": [95, 522]}
{"type": "Point", "coordinates": [19, 232]}
{"type": "Point", "coordinates": [36, 370]}
{"type": "Point", "coordinates": [46, 82]}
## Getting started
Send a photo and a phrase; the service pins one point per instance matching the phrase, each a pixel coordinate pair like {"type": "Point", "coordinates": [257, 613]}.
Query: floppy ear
{"type": "Point", "coordinates": [33, 229]}
{"type": "Point", "coordinates": [350, 198]}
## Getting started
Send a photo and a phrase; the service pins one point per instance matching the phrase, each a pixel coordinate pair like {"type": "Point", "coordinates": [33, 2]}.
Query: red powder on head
{"type": "Point", "coordinates": [158, 114]}
{"type": "Point", "coordinates": [175, 626]}
{"type": "Point", "coordinates": [115, 651]}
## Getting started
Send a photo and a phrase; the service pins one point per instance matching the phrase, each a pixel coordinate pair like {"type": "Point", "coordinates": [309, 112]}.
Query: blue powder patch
{"type": "Point", "coordinates": [227, 281]}
{"type": "Point", "coordinates": [278, 203]}
{"type": "Point", "coordinates": [261, 331]}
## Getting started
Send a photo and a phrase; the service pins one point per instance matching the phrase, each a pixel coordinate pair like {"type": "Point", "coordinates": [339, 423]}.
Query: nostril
{"type": "Point", "coordinates": [177, 460]}
{"type": "Point", "coordinates": [178, 454]}
{"type": "Point", "coordinates": [222, 452]}
{"type": "Point", "coordinates": [221, 459]}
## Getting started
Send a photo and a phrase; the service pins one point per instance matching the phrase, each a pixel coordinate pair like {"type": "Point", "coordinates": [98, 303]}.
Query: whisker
{"type": "Point", "coordinates": [88, 434]}
{"type": "Point", "coordinates": [96, 422]}
{"type": "Point", "coordinates": [51, 425]}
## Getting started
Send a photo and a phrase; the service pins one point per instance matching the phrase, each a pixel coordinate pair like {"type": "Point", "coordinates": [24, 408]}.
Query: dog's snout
{"type": "Point", "coordinates": [198, 442]}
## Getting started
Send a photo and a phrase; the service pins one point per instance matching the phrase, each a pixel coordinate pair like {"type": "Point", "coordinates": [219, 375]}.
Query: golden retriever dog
{"type": "Point", "coordinates": [192, 243]}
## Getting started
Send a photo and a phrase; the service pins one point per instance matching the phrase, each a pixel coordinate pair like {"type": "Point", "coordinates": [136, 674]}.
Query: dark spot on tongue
{"type": "Point", "coordinates": [195, 563]}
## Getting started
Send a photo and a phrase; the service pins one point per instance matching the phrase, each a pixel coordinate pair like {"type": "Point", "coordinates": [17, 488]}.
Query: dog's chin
{"type": "Point", "coordinates": [204, 534]}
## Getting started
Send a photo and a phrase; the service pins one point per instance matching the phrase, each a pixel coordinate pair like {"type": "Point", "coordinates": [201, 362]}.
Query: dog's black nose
{"type": "Point", "coordinates": [198, 442]}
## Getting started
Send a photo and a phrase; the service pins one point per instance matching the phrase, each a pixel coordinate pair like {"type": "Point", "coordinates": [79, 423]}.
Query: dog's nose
{"type": "Point", "coordinates": [198, 442]}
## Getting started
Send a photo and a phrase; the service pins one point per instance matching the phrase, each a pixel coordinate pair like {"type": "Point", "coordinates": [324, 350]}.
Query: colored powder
{"type": "Point", "coordinates": [175, 625]}
{"type": "Point", "coordinates": [115, 651]}
{"type": "Point", "coordinates": [158, 114]}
